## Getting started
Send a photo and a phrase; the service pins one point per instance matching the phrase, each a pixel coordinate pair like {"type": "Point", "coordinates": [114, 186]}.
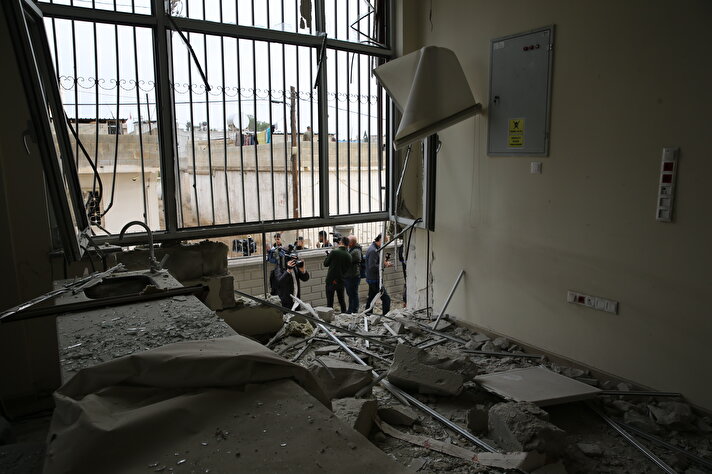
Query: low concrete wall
{"type": "Point", "coordinates": [248, 276]}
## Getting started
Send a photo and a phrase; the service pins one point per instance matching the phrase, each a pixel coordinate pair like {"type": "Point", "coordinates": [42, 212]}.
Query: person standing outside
{"type": "Point", "coordinates": [289, 278]}
{"type": "Point", "coordinates": [276, 251]}
{"type": "Point", "coordinates": [338, 261]}
{"type": "Point", "coordinates": [324, 240]}
{"type": "Point", "coordinates": [353, 275]}
{"type": "Point", "coordinates": [372, 277]}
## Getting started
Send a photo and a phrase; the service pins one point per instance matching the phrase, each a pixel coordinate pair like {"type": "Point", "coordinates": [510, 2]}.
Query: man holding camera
{"type": "Point", "coordinates": [338, 261]}
{"type": "Point", "coordinates": [289, 274]}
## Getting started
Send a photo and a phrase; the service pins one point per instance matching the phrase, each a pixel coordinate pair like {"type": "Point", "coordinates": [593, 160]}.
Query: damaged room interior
{"type": "Point", "coordinates": [351, 236]}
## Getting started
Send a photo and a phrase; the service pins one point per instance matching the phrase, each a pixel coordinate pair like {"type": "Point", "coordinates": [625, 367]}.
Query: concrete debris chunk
{"type": "Point", "coordinates": [340, 379]}
{"type": "Point", "coordinates": [573, 372]}
{"type": "Point", "coordinates": [642, 422]}
{"type": "Point", "coordinates": [590, 449]}
{"type": "Point", "coordinates": [398, 415]}
{"type": "Point", "coordinates": [480, 338]}
{"type": "Point", "coordinates": [356, 412]}
{"type": "Point", "coordinates": [325, 313]}
{"type": "Point", "coordinates": [624, 387]}
{"type": "Point", "coordinates": [320, 351]}
{"type": "Point", "coordinates": [413, 369]}
{"type": "Point", "coordinates": [622, 405]}
{"type": "Point", "coordinates": [523, 426]}
{"type": "Point", "coordinates": [446, 359]}
{"type": "Point", "coordinates": [442, 325]}
{"type": "Point", "coordinates": [488, 347]}
{"type": "Point", "coordinates": [674, 415]}
{"type": "Point", "coordinates": [501, 343]}
{"type": "Point", "coordinates": [477, 419]}
{"type": "Point", "coordinates": [472, 345]}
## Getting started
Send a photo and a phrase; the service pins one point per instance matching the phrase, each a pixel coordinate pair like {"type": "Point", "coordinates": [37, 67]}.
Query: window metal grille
{"type": "Point", "coordinates": [231, 137]}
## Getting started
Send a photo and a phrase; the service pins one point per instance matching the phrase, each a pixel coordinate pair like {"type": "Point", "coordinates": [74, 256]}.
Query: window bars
{"type": "Point", "coordinates": [232, 138]}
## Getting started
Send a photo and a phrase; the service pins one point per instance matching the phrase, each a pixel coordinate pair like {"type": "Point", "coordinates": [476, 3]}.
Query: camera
{"type": "Point", "coordinates": [287, 257]}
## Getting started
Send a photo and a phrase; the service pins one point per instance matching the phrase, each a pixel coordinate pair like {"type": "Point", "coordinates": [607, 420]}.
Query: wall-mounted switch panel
{"type": "Point", "coordinates": [593, 302]}
{"type": "Point", "coordinates": [666, 186]}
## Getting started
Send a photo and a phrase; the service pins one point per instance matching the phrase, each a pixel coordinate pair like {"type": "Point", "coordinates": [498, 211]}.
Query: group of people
{"type": "Point", "coordinates": [347, 266]}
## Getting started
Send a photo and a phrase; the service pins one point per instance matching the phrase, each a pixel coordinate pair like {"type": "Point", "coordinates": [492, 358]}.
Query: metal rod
{"type": "Point", "coordinates": [503, 354]}
{"type": "Point", "coordinates": [639, 393]}
{"type": "Point", "coordinates": [397, 236]}
{"type": "Point", "coordinates": [408, 399]}
{"type": "Point", "coordinates": [427, 328]}
{"type": "Point", "coordinates": [649, 454]}
{"type": "Point", "coordinates": [373, 383]}
{"type": "Point", "coordinates": [667, 445]}
{"type": "Point", "coordinates": [60, 310]}
{"type": "Point", "coordinates": [449, 297]}
{"type": "Point", "coordinates": [313, 319]}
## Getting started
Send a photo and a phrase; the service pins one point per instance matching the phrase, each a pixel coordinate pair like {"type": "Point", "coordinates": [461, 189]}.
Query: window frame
{"type": "Point", "coordinates": [161, 24]}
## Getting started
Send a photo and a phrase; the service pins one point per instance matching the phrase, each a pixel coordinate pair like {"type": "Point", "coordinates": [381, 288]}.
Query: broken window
{"type": "Point", "coordinates": [243, 116]}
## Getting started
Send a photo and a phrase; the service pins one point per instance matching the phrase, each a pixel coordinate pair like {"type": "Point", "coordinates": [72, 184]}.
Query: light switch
{"type": "Point", "coordinates": [535, 167]}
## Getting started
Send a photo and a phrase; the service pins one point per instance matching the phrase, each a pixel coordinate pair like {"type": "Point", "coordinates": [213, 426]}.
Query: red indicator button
{"type": "Point", "coordinates": [667, 178]}
{"type": "Point", "coordinates": [668, 166]}
{"type": "Point", "coordinates": [581, 299]}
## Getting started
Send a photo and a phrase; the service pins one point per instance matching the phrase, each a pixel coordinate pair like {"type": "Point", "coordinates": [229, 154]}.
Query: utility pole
{"type": "Point", "coordinates": [295, 143]}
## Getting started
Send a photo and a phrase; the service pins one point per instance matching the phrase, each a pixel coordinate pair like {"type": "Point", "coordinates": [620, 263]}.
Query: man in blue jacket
{"type": "Point", "coordinates": [372, 270]}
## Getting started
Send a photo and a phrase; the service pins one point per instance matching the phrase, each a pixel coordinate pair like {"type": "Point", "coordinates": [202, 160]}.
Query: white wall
{"type": "Point", "coordinates": [629, 78]}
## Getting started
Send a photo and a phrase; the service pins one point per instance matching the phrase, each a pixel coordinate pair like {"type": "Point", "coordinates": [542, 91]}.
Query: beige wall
{"type": "Point", "coordinates": [629, 78]}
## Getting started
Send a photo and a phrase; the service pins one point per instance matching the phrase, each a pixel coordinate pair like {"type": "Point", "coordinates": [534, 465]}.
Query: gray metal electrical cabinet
{"type": "Point", "coordinates": [520, 93]}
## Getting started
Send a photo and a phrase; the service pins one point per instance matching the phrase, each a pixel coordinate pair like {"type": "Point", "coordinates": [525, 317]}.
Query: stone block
{"type": "Point", "coordinates": [674, 415]}
{"type": "Point", "coordinates": [398, 415]}
{"type": "Point", "coordinates": [525, 427]}
{"type": "Point", "coordinates": [501, 343]}
{"type": "Point", "coordinates": [340, 379]}
{"type": "Point", "coordinates": [325, 313]}
{"type": "Point", "coordinates": [642, 422]}
{"type": "Point", "coordinates": [413, 369]}
{"type": "Point", "coordinates": [591, 450]}
{"type": "Point", "coordinates": [357, 412]}
{"type": "Point", "coordinates": [221, 293]}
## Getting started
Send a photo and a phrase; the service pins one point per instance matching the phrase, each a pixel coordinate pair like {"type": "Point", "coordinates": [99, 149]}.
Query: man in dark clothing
{"type": "Point", "coordinates": [288, 279]}
{"type": "Point", "coordinates": [372, 275]}
{"type": "Point", "coordinates": [323, 240]}
{"type": "Point", "coordinates": [353, 276]}
{"type": "Point", "coordinates": [338, 261]}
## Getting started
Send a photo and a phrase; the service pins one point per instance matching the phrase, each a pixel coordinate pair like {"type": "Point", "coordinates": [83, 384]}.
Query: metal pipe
{"type": "Point", "coordinates": [639, 393]}
{"type": "Point", "coordinates": [449, 297]}
{"type": "Point", "coordinates": [103, 302]}
{"type": "Point", "coordinates": [504, 354]}
{"type": "Point", "coordinates": [314, 319]}
{"type": "Point", "coordinates": [397, 236]}
{"type": "Point", "coordinates": [649, 454]}
{"type": "Point", "coordinates": [427, 328]}
{"type": "Point", "coordinates": [404, 396]}
{"type": "Point", "coordinates": [154, 264]}
{"type": "Point", "coordinates": [667, 445]}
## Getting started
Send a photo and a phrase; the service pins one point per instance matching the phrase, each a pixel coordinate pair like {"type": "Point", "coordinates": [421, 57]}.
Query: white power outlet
{"type": "Point", "coordinates": [593, 302]}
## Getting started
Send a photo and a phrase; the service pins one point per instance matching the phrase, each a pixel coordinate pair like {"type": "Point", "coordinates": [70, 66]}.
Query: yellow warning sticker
{"type": "Point", "coordinates": [515, 137]}
{"type": "Point", "coordinates": [516, 125]}
{"type": "Point", "coordinates": [515, 140]}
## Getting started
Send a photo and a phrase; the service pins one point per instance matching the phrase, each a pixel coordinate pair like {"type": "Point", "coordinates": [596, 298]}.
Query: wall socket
{"type": "Point", "coordinates": [593, 302]}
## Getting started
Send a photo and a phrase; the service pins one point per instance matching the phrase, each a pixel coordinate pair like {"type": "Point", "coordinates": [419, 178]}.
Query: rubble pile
{"type": "Point", "coordinates": [438, 367]}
